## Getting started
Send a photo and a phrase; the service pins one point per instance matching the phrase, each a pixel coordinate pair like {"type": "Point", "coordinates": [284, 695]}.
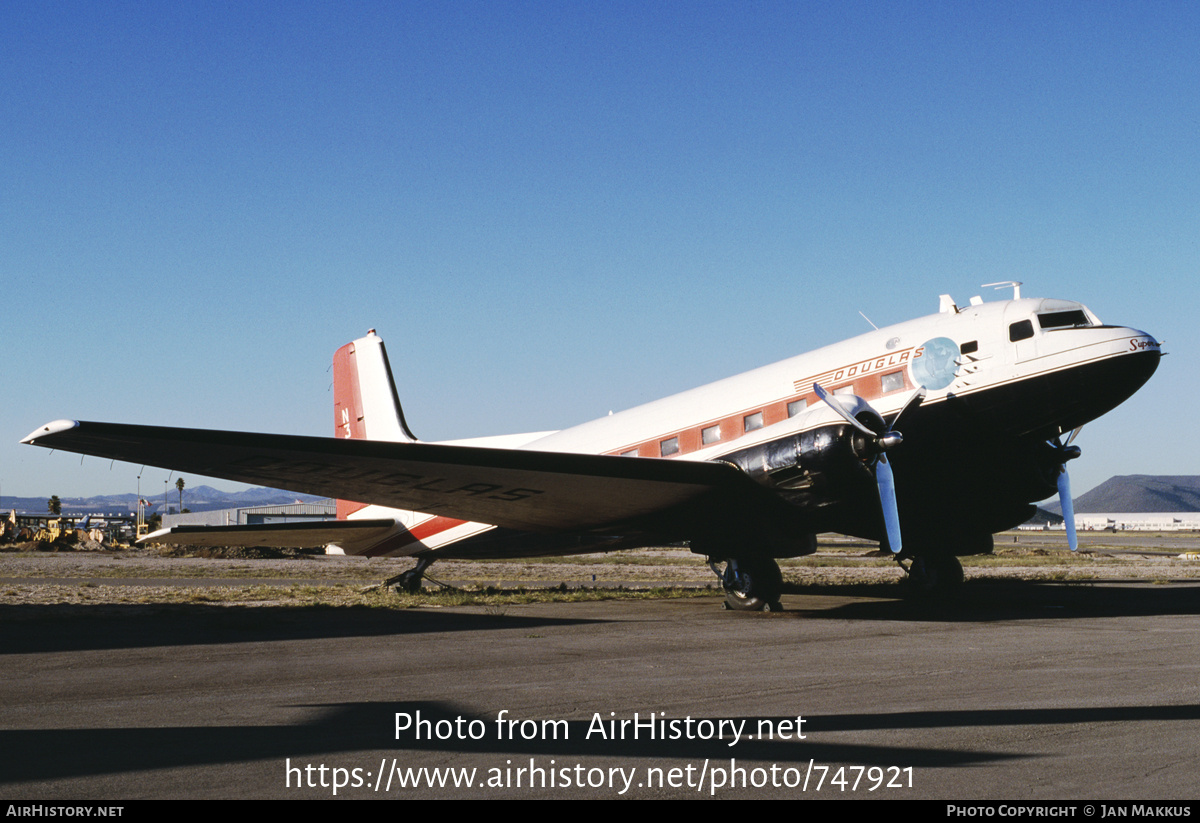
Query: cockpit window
{"type": "Point", "coordinates": [1063, 319]}
{"type": "Point", "coordinates": [1020, 331]}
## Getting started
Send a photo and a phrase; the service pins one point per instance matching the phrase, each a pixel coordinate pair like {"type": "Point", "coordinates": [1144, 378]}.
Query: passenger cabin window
{"type": "Point", "coordinates": [1020, 331]}
{"type": "Point", "coordinates": [891, 382]}
{"type": "Point", "coordinates": [712, 434]}
{"type": "Point", "coordinates": [630, 453]}
{"type": "Point", "coordinates": [669, 447]}
{"type": "Point", "coordinates": [797, 406]}
{"type": "Point", "coordinates": [752, 421]}
{"type": "Point", "coordinates": [1063, 319]}
{"type": "Point", "coordinates": [969, 347]}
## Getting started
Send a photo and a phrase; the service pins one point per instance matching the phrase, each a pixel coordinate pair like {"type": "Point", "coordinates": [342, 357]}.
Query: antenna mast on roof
{"type": "Point", "coordinates": [1015, 285]}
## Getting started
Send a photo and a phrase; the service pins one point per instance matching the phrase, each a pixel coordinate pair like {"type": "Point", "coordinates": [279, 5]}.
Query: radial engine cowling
{"type": "Point", "coordinates": [809, 465]}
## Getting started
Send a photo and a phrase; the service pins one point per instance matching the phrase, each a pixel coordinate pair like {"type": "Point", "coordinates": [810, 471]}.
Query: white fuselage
{"type": "Point", "coordinates": [955, 353]}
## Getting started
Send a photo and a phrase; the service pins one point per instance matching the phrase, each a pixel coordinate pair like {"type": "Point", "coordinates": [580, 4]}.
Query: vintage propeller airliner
{"type": "Point", "coordinates": [745, 470]}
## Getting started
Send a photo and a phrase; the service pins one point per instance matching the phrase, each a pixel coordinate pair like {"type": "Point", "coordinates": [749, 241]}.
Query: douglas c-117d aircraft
{"type": "Point", "coordinates": [745, 470]}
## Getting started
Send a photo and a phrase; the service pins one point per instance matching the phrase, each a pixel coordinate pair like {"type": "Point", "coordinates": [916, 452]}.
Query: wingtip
{"type": "Point", "coordinates": [154, 537]}
{"type": "Point", "coordinates": [56, 427]}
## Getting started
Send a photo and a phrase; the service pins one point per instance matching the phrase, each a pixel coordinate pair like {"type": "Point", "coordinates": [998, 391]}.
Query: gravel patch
{"type": "Point", "coordinates": [128, 576]}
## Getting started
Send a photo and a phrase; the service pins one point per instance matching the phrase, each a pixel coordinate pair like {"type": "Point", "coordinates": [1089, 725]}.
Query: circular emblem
{"type": "Point", "coordinates": [935, 368]}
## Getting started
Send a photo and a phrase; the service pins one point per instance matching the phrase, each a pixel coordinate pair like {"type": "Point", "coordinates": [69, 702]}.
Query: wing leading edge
{"type": "Point", "coordinates": [510, 488]}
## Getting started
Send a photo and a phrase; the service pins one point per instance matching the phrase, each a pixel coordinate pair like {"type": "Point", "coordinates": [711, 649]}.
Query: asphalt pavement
{"type": "Point", "coordinates": [1019, 690]}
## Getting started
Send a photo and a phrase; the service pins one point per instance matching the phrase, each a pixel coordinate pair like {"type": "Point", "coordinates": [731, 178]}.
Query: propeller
{"type": "Point", "coordinates": [882, 442]}
{"type": "Point", "coordinates": [1066, 452]}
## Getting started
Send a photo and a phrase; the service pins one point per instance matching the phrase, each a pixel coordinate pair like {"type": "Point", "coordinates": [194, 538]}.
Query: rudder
{"type": "Point", "coordinates": [365, 403]}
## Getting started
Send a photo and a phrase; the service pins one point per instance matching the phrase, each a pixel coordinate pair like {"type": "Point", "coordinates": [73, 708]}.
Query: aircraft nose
{"type": "Point", "coordinates": [1140, 342]}
{"type": "Point", "coordinates": [1139, 363]}
{"type": "Point", "coordinates": [1120, 363]}
{"type": "Point", "coordinates": [1145, 353]}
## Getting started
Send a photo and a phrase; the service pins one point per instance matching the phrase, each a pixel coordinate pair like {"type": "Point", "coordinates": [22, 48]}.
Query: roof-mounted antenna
{"type": "Point", "coordinates": [864, 317]}
{"type": "Point", "coordinates": [1015, 285]}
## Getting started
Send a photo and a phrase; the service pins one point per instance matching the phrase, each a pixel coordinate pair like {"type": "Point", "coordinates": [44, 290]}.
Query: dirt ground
{"type": "Point", "coordinates": [149, 575]}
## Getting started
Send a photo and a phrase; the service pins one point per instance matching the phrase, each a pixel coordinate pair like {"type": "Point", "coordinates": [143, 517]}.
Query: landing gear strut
{"type": "Point", "coordinates": [930, 576]}
{"type": "Point", "coordinates": [750, 584]}
{"type": "Point", "coordinates": [410, 581]}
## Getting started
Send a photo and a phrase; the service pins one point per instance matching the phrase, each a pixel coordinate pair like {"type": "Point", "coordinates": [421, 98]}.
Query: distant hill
{"type": "Point", "coordinates": [198, 499]}
{"type": "Point", "coordinates": [1139, 493]}
{"type": "Point", "coordinates": [1042, 517]}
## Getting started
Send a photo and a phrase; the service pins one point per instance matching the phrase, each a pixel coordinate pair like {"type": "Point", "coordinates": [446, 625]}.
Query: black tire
{"type": "Point", "coordinates": [934, 577]}
{"type": "Point", "coordinates": [409, 583]}
{"type": "Point", "coordinates": [752, 585]}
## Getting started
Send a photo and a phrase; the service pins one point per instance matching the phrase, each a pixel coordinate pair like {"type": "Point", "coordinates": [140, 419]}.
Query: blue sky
{"type": "Point", "coordinates": [550, 210]}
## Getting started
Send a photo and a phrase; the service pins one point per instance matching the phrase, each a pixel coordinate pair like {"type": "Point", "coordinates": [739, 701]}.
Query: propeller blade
{"type": "Point", "coordinates": [915, 400]}
{"type": "Point", "coordinates": [1068, 508]}
{"type": "Point", "coordinates": [834, 403]}
{"type": "Point", "coordinates": [887, 500]}
{"type": "Point", "coordinates": [1067, 452]}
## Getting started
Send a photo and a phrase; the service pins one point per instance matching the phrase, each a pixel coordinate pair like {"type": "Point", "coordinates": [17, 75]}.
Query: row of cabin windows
{"type": "Point", "coordinates": [709, 435]}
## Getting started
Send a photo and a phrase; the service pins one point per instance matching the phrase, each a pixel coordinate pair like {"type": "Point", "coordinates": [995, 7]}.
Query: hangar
{"type": "Point", "coordinates": [254, 515]}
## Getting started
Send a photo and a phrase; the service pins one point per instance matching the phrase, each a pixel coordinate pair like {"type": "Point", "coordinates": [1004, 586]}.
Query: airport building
{"type": "Point", "coordinates": [1138, 521]}
{"type": "Point", "coordinates": [255, 515]}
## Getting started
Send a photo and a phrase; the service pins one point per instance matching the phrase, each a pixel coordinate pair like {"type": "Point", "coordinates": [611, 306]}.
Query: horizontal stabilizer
{"type": "Point", "coordinates": [287, 535]}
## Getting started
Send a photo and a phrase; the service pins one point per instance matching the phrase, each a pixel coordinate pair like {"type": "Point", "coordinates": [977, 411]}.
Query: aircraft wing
{"type": "Point", "coordinates": [290, 535]}
{"type": "Point", "coordinates": [518, 489]}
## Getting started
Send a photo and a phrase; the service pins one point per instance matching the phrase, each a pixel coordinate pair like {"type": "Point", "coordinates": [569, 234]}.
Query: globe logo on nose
{"type": "Point", "coordinates": [936, 366]}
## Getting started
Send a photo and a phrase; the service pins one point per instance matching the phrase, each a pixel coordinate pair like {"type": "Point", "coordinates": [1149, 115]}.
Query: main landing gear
{"type": "Point", "coordinates": [750, 584]}
{"type": "Point", "coordinates": [933, 576]}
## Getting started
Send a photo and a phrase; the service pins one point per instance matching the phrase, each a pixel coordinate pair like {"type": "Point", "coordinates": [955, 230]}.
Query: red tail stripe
{"type": "Point", "coordinates": [408, 537]}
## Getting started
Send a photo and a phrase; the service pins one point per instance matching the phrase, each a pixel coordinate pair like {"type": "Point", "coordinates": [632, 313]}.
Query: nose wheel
{"type": "Point", "coordinates": [750, 584]}
{"type": "Point", "coordinates": [409, 581]}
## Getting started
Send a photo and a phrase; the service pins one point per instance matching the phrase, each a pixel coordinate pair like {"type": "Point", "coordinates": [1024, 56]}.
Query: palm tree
{"type": "Point", "coordinates": [179, 485]}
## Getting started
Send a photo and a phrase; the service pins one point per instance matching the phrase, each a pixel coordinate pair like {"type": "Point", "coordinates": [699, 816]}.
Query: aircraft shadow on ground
{"type": "Point", "coordinates": [983, 601]}
{"type": "Point", "coordinates": [56, 628]}
{"type": "Point", "coordinates": [33, 629]}
{"type": "Point", "coordinates": [33, 755]}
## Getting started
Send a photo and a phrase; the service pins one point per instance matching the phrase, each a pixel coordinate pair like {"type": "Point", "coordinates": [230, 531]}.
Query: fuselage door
{"type": "Point", "coordinates": [1023, 332]}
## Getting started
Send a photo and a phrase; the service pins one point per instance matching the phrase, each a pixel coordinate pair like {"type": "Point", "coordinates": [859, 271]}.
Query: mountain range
{"type": "Point", "coordinates": [197, 499]}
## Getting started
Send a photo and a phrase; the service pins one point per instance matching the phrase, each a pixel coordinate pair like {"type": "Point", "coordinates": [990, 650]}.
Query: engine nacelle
{"type": "Point", "coordinates": [809, 464]}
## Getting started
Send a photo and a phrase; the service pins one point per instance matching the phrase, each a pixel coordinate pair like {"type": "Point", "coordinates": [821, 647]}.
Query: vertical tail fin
{"type": "Point", "coordinates": [365, 403]}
